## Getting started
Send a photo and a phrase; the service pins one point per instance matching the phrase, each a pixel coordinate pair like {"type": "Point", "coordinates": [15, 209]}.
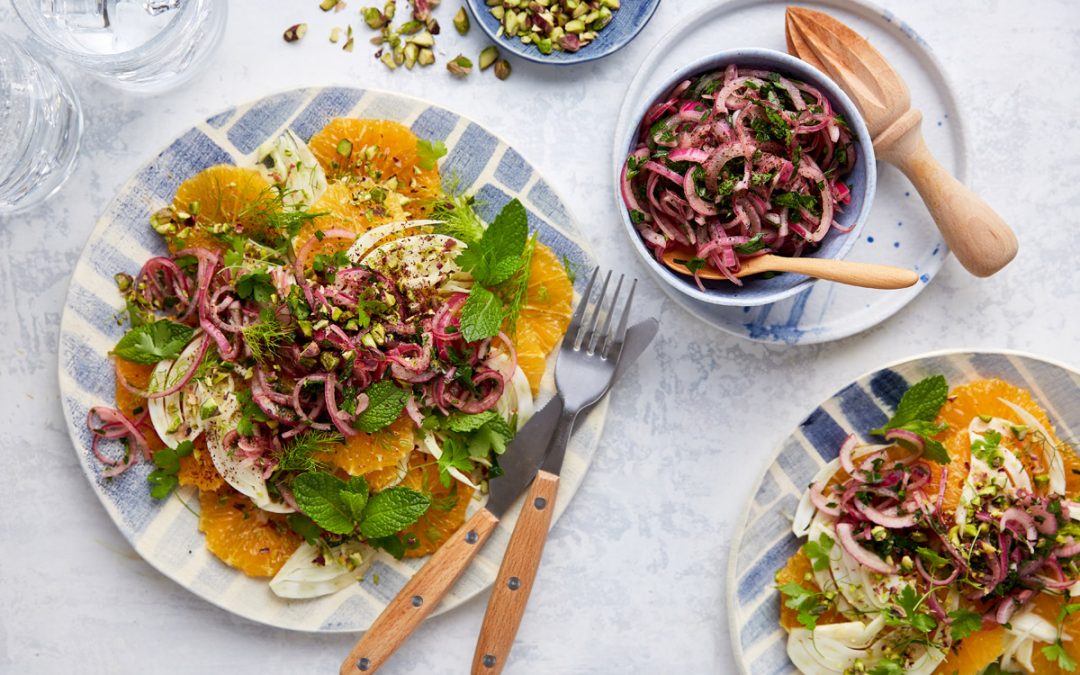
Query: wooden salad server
{"type": "Point", "coordinates": [867, 275]}
{"type": "Point", "coordinates": [422, 594]}
{"type": "Point", "coordinates": [977, 236]}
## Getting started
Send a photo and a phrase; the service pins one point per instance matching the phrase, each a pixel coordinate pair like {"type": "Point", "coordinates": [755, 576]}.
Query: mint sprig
{"type": "Point", "coordinates": [493, 260]}
{"type": "Point", "coordinates": [916, 412]}
{"type": "Point", "coordinates": [346, 507]}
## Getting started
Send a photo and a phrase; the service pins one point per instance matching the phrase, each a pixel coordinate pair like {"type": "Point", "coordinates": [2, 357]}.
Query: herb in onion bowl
{"type": "Point", "coordinates": [740, 158]}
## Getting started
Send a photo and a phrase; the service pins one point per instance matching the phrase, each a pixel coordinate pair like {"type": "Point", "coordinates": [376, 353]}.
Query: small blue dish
{"type": "Point", "coordinates": [626, 23]}
{"type": "Point", "coordinates": [862, 180]}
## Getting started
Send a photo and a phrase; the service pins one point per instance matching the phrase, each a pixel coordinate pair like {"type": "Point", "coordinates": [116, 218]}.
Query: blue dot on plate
{"type": "Point", "coordinates": [939, 123]}
{"type": "Point", "coordinates": [896, 244]}
{"type": "Point", "coordinates": [925, 278]}
{"type": "Point", "coordinates": [900, 224]}
{"type": "Point", "coordinates": [746, 310]}
{"type": "Point", "coordinates": [907, 194]}
{"type": "Point", "coordinates": [870, 239]}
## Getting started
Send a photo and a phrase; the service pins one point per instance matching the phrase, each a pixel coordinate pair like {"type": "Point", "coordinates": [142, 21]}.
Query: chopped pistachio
{"type": "Point", "coordinates": [461, 21]}
{"type": "Point", "coordinates": [335, 34]}
{"type": "Point", "coordinates": [344, 147]}
{"type": "Point", "coordinates": [411, 53]}
{"type": "Point", "coordinates": [426, 57]}
{"type": "Point", "coordinates": [374, 18]}
{"type": "Point", "coordinates": [295, 33]}
{"type": "Point", "coordinates": [488, 56]}
{"type": "Point", "coordinates": [123, 281]}
{"type": "Point", "coordinates": [388, 60]}
{"type": "Point", "coordinates": [327, 5]}
{"type": "Point", "coordinates": [502, 69]}
{"type": "Point", "coordinates": [348, 47]}
{"type": "Point", "coordinates": [424, 39]}
{"type": "Point", "coordinates": [460, 66]}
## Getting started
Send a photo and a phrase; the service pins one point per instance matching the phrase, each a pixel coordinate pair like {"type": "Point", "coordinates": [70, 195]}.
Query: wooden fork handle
{"type": "Point", "coordinates": [974, 232]}
{"type": "Point", "coordinates": [419, 596]}
{"type": "Point", "coordinates": [516, 575]}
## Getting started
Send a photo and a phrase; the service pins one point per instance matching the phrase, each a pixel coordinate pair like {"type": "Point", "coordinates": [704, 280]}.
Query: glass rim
{"type": "Point", "coordinates": [34, 22]}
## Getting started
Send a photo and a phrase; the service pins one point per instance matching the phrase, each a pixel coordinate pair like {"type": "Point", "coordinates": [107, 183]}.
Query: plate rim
{"type": "Point", "coordinates": [730, 577]}
{"type": "Point", "coordinates": [599, 412]}
{"type": "Point", "coordinates": [517, 49]}
{"type": "Point", "coordinates": [864, 8]}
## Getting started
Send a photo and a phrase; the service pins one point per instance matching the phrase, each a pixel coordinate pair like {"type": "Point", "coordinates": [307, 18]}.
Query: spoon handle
{"type": "Point", "coordinates": [867, 275]}
{"type": "Point", "coordinates": [974, 232]}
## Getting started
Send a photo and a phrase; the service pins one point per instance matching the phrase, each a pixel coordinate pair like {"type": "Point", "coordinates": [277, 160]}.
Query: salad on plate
{"type": "Point", "coordinates": [953, 546]}
{"type": "Point", "coordinates": [334, 353]}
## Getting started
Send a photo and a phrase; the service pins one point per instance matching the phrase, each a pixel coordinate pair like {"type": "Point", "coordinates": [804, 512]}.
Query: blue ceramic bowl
{"type": "Point", "coordinates": [862, 180]}
{"type": "Point", "coordinates": [625, 24]}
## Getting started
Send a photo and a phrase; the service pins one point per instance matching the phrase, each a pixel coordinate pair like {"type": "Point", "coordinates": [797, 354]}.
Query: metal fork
{"type": "Point", "coordinates": [583, 374]}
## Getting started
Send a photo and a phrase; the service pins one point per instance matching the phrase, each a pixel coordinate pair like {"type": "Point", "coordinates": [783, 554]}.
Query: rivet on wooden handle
{"type": "Point", "coordinates": [974, 232]}
{"type": "Point", "coordinates": [516, 575]}
{"type": "Point", "coordinates": [419, 596]}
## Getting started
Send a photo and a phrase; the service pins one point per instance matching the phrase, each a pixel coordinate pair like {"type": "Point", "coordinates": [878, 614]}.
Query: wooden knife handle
{"type": "Point", "coordinates": [977, 236]}
{"type": "Point", "coordinates": [419, 596]}
{"type": "Point", "coordinates": [516, 575]}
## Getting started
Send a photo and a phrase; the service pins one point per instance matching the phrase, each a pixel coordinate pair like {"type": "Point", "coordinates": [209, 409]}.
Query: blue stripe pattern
{"type": "Point", "coordinates": [764, 541]}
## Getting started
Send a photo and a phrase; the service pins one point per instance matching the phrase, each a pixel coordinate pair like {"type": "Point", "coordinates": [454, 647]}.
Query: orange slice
{"type": "Point", "coordinates": [1047, 606]}
{"type": "Point", "coordinates": [220, 197]}
{"type": "Point", "coordinates": [968, 401]}
{"type": "Point", "coordinates": [799, 570]}
{"type": "Point", "coordinates": [380, 479]}
{"type": "Point", "coordinates": [244, 536]}
{"type": "Point", "coordinates": [546, 314]}
{"type": "Point", "coordinates": [448, 506]}
{"type": "Point", "coordinates": [130, 403]}
{"type": "Point", "coordinates": [348, 206]}
{"type": "Point", "coordinates": [974, 653]}
{"type": "Point", "coordinates": [198, 469]}
{"type": "Point", "coordinates": [380, 150]}
{"type": "Point", "coordinates": [364, 453]}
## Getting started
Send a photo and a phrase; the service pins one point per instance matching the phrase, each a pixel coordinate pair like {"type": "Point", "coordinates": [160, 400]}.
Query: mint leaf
{"type": "Point", "coordinates": [355, 496]}
{"type": "Point", "coordinates": [154, 342]}
{"type": "Point", "coordinates": [305, 527]}
{"type": "Point", "coordinates": [964, 623]}
{"type": "Point", "coordinates": [506, 236]}
{"type": "Point", "coordinates": [756, 243]}
{"type": "Point", "coordinates": [385, 403]}
{"type": "Point", "coordinates": [319, 496]}
{"type": "Point", "coordinates": [256, 285]}
{"type": "Point", "coordinates": [921, 402]}
{"type": "Point", "coordinates": [429, 153]}
{"type": "Point", "coordinates": [392, 510]}
{"type": "Point", "coordinates": [392, 545]}
{"type": "Point", "coordinates": [482, 315]}
{"type": "Point", "coordinates": [465, 423]}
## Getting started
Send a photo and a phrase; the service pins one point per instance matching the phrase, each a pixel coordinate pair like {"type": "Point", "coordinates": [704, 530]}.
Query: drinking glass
{"type": "Point", "coordinates": [138, 45]}
{"type": "Point", "coordinates": [40, 127]}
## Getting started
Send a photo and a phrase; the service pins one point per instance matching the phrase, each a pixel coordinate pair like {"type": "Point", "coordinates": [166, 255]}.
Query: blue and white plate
{"type": "Point", "coordinates": [760, 644]}
{"type": "Point", "coordinates": [625, 24]}
{"type": "Point", "coordinates": [899, 231]}
{"type": "Point", "coordinates": [166, 533]}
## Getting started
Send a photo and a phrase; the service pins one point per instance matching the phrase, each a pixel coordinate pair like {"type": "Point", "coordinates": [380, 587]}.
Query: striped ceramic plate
{"type": "Point", "coordinates": [760, 644]}
{"type": "Point", "coordinates": [165, 533]}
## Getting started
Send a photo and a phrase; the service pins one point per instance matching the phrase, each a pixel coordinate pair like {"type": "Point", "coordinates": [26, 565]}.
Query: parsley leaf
{"type": "Point", "coordinates": [256, 285]}
{"type": "Point", "coordinates": [810, 604]}
{"type": "Point", "coordinates": [392, 510]}
{"type": "Point", "coordinates": [909, 601]}
{"type": "Point", "coordinates": [167, 460]}
{"type": "Point", "coordinates": [482, 315]}
{"type": "Point", "coordinates": [964, 623]}
{"type": "Point", "coordinates": [455, 455]}
{"type": "Point", "coordinates": [429, 153]}
{"type": "Point", "coordinates": [153, 342]}
{"type": "Point", "coordinates": [818, 551]}
{"type": "Point", "coordinates": [918, 408]}
{"type": "Point", "coordinates": [795, 200]}
{"type": "Point", "coordinates": [755, 244]}
{"type": "Point", "coordinates": [1056, 653]}
{"type": "Point", "coordinates": [385, 403]}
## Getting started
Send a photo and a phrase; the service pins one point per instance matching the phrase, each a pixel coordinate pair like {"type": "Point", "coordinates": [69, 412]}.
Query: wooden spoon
{"type": "Point", "coordinates": [866, 275]}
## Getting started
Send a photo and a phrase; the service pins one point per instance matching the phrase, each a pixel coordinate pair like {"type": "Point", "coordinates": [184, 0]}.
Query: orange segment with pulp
{"type": "Point", "coordinates": [222, 195]}
{"type": "Point", "coordinates": [347, 206]}
{"type": "Point", "coordinates": [545, 315]}
{"type": "Point", "coordinates": [974, 653]}
{"type": "Point", "coordinates": [244, 536]}
{"type": "Point", "coordinates": [130, 403]}
{"type": "Point", "coordinates": [364, 453]}
{"type": "Point", "coordinates": [447, 511]}
{"type": "Point", "coordinates": [381, 150]}
{"type": "Point", "coordinates": [198, 468]}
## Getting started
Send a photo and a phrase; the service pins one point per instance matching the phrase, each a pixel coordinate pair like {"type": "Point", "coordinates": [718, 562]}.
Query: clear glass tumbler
{"type": "Point", "coordinates": [144, 46]}
{"type": "Point", "coordinates": [40, 127]}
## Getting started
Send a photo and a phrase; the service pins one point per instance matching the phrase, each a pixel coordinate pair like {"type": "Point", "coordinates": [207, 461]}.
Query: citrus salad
{"type": "Point", "coordinates": [951, 547]}
{"type": "Point", "coordinates": [334, 353]}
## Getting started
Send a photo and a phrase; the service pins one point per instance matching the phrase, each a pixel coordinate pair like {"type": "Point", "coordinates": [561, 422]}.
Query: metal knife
{"type": "Point", "coordinates": [422, 593]}
{"type": "Point", "coordinates": [977, 236]}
